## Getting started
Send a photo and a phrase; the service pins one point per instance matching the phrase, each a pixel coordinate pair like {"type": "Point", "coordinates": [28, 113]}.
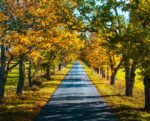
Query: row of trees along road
{"type": "Point", "coordinates": [119, 38]}
{"type": "Point", "coordinates": [47, 30]}
{"type": "Point", "coordinates": [35, 32]}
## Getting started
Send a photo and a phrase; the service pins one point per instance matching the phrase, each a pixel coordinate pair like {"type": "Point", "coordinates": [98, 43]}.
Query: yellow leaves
{"type": "Point", "coordinates": [17, 50]}
{"type": "Point", "coordinates": [73, 2]}
{"type": "Point", "coordinates": [35, 56]}
{"type": "Point", "coordinates": [18, 39]}
{"type": "Point", "coordinates": [31, 9]}
{"type": "Point", "coordinates": [95, 52]}
{"type": "Point", "coordinates": [44, 1]}
{"type": "Point", "coordinates": [143, 1]}
{"type": "Point", "coordinates": [22, 43]}
{"type": "Point", "coordinates": [64, 39]}
{"type": "Point", "coordinates": [3, 17]}
{"type": "Point", "coordinates": [47, 33]}
{"type": "Point", "coordinates": [97, 57]}
{"type": "Point", "coordinates": [71, 57]}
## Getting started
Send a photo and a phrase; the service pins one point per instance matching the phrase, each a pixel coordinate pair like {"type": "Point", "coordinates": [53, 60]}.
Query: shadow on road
{"type": "Point", "coordinates": [76, 99]}
{"type": "Point", "coordinates": [86, 111]}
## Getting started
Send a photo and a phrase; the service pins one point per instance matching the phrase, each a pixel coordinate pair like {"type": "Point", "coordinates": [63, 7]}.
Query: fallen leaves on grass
{"type": "Point", "coordinates": [27, 106]}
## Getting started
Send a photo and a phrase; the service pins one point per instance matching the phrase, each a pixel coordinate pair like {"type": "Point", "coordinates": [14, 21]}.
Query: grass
{"type": "Point", "coordinates": [126, 108]}
{"type": "Point", "coordinates": [27, 106]}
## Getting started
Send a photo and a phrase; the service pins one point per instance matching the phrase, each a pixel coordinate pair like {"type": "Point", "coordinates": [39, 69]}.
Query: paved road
{"type": "Point", "coordinates": [76, 99]}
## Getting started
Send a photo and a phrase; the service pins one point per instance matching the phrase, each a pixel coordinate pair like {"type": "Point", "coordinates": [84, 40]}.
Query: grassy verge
{"type": "Point", "coordinates": [126, 108]}
{"type": "Point", "coordinates": [27, 106]}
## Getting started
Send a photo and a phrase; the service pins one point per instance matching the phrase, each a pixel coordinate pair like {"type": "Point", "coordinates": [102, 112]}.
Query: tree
{"type": "Point", "coordinates": [105, 20]}
{"type": "Point", "coordinates": [141, 18]}
{"type": "Point", "coordinates": [25, 26]}
{"type": "Point", "coordinates": [3, 77]}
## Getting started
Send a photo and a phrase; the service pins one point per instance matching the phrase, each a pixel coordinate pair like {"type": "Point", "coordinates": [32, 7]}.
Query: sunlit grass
{"type": "Point", "coordinates": [126, 108]}
{"type": "Point", "coordinates": [138, 86]}
{"type": "Point", "coordinates": [27, 106]}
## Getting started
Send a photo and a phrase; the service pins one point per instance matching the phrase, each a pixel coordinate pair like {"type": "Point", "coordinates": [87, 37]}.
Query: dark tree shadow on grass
{"type": "Point", "coordinates": [127, 113]}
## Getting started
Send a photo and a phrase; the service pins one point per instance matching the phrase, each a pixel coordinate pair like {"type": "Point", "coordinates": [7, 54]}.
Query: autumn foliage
{"type": "Point", "coordinates": [48, 34]}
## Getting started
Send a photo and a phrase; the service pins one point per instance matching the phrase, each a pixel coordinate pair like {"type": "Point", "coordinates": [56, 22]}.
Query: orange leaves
{"type": "Point", "coordinates": [35, 56]}
{"type": "Point", "coordinates": [95, 53]}
{"type": "Point", "coordinates": [97, 57]}
{"type": "Point", "coordinates": [44, 1]}
{"type": "Point", "coordinates": [17, 50]}
{"type": "Point", "coordinates": [36, 27]}
{"type": "Point", "coordinates": [3, 17]}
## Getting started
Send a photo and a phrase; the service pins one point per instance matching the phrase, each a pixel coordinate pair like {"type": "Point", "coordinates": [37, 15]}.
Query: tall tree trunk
{"type": "Point", "coordinates": [2, 73]}
{"type": "Point", "coordinates": [21, 76]}
{"type": "Point", "coordinates": [127, 77]}
{"type": "Point", "coordinates": [113, 77]}
{"type": "Point", "coordinates": [107, 73]}
{"type": "Point", "coordinates": [130, 78]}
{"type": "Point", "coordinates": [48, 73]}
{"type": "Point", "coordinates": [114, 70]}
{"type": "Point", "coordinates": [97, 70]}
{"type": "Point", "coordinates": [29, 74]}
{"type": "Point", "coordinates": [103, 73]}
{"type": "Point", "coordinates": [59, 67]}
{"type": "Point", "coordinates": [100, 72]}
{"type": "Point", "coordinates": [147, 92]}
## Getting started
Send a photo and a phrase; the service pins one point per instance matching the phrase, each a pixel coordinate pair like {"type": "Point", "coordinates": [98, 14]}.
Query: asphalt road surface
{"type": "Point", "coordinates": [76, 99]}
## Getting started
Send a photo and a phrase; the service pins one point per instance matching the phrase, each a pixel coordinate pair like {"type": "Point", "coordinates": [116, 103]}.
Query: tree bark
{"type": "Point", "coordinates": [48, 73]}
{"type": "Point", "coordinates": [114, 72]}
{"type": "Point", "coordinates": [147, 92]}
{"type": "Point", "coordinates": [29, 74]}
{"type": "Point", "coordinates": [21, 76]}
{"type": "Point", "coordinates": [2, 73]}
{"type": "Point", "coordinates": [114, 69]}
{"type": "Point", "coordinates": [59, 67]}
{"type": "Point", "coordinates": [107, 73]}
{"type": "Point", "coordinates": [113, 77]}
{"type": "Point", "coordinates": [103, 73]}
{"type": "Point", "coordinates": [100, 72]}
{"type": "Point", "coordinates": [97, 70]}
{"type": "Point", "coordinates": [130, 78]}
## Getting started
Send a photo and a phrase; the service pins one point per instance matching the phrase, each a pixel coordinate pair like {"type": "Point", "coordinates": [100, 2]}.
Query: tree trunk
{"type": "Point", "coordinates": [147, 92]}
{"type": "Point", "coordinates": [29, 74]}
{"type": "Point", "coordinates": [100, 72]}
{"type": "Point", "coordinates": [59, 67]}
{"type": "Point", "coordinates": [2, 73]}
{"type": "Point", "coordinates": [114, 67]}
{"type": "Point", "coordinates": [127, 79]}
{"type": "Point", "coordinates": [130, 84]}
{"type": "Point", "coordinates": [48, 73]}
{"type": "Point", "coordinates": [103, 73]}
{"type": "Point", "coordinates": [130, 79]}
{"type": "Point", "coordinates": [21, 76]}
{"type": "Point", "coordinates": [107, 73]}
{"type": "Point", "coordinates": [113, 77]}
{"type": "Point", "coordinates": [97, 70]}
